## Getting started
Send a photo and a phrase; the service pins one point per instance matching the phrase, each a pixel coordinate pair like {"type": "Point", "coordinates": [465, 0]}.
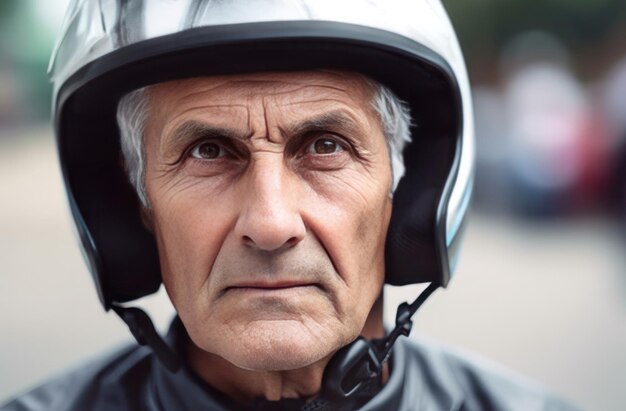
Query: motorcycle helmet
{"type": "Point", "coordinates": [108, 48]}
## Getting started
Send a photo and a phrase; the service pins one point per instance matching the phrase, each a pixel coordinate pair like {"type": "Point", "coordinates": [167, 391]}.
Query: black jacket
{"type": "Point", "coordinates": [423, 376]}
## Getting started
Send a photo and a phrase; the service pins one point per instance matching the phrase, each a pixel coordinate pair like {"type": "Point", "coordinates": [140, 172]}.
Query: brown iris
{"type": "Point", "coordinates": [325, 146]}
{"type": "Point", "coordinates": [207, 151]}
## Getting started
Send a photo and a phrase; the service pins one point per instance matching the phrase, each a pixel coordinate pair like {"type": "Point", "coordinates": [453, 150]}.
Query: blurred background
{"type": "Point", "coordinates": [541, 285]}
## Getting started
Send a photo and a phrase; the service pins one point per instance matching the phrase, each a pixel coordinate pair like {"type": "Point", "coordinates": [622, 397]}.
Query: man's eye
{"type": "Point", "coordinates": [324, 146]}
{"type": "Point", "coordinates": [208, 151]}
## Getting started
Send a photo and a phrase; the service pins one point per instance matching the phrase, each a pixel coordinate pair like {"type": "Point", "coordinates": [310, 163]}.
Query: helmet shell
{"type": "Point", "coordinates": [108, 48]}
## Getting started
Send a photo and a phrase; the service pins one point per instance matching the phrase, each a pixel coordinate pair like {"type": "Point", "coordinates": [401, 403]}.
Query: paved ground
{"type": "Point", "coordinates": [547, 299]}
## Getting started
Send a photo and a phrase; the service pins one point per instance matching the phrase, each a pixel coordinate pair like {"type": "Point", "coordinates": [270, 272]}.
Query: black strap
{"type": "Point", "coordinates": [144, 332]}
{"type": "Point", "coordinates": [354, 374]}
{"type": "Point", "coordinates": [404, 320]}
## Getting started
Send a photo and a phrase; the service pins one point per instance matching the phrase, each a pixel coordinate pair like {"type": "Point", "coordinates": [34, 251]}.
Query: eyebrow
{"type": "Point", "coordinates": [194, 130]}
{"type": "Point", "coordinates": [332, 120]}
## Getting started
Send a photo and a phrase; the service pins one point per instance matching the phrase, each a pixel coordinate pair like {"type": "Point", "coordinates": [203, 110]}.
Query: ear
{"type": "Point", "coordinates": [147, 218]}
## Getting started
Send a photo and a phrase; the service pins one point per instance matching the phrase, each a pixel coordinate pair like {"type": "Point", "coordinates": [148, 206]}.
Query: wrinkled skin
{"type": "Point", "coordinates": [269, 203]}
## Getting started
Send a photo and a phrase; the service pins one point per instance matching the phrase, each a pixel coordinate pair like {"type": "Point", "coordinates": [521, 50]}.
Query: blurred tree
{"type": "Point", "coordinates": [7, 7]}
{"type": "Point", "coordinates": [585, 27]}
{"type": "Point", "coordinates": [25, 45]}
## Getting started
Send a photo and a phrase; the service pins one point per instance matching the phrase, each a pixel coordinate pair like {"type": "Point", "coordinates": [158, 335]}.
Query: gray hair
{"type": "Point", "coordinates": [132, 112]}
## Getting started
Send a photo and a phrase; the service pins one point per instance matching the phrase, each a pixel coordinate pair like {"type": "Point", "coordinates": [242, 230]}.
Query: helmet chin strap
{"type": "Point", "coordinates": [144, 332]}
{"type": "Point", "coordinates": [351, 378]}
{"type": "Point", "coordinates": [354, 374]}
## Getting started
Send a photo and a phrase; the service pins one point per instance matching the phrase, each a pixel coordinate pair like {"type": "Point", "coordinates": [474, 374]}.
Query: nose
{"type": "Point", "coordinates": [270, 218]}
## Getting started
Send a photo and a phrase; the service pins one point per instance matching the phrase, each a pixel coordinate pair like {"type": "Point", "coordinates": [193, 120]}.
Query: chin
{"type": "Point", "coordinates": [278, 346]}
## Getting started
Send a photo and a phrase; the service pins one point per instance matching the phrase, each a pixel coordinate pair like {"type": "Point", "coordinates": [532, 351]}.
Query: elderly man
{"type": "Point", "coordinates": [273, 196]}
{"type": "Point", "coordinates": [268, 195]}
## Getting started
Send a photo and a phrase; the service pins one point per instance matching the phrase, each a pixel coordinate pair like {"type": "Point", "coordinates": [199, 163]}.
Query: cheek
{"type": "Point", "coordinates": [351, 211]}
{"type": "Point", "coordinates": [189, 228]}
{"type": "Point", "coordinates": [350, 217]}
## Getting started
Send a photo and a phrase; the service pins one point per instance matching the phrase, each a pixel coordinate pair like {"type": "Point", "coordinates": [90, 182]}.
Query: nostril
{"type": "Point", "coordinates": [248, 241]}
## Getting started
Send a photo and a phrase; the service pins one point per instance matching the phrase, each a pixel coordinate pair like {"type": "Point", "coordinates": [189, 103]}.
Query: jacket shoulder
{"type": "Point", "coordinates": [110, 382]}
{"type": "Point", "coordinates": [479, 384]}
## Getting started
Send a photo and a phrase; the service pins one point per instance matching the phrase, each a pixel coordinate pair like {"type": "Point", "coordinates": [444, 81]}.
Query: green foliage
{"type": "Point", "coordinates": [7, 7]}
{"type": "Point", "coordinates": [486, 25]}
{"type": "Point", "coordinates": [25, 45]}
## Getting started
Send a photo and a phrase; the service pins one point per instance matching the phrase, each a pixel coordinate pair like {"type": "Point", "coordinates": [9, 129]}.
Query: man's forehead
{"type": "Point", "coordinates": [284, 99]}
{"type": "Point", "coordinates": [297, 86]}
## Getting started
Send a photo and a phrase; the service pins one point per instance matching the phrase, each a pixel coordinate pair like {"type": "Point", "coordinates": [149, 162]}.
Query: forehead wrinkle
{"type": "Point", "coordinates": [266, 120]}
{"type": "Point", "coordinates": [252, 88]}
{"type": "Point", "coordinates": [208, 107]}
{"type": "Point", "coordinates": [320, 100]}
{"type": "Point", "coordinates": [171, 123]}
{"type": "Point", "coordinates": [280, 83]}
{"type": "Point", "coordinates": [196, 86]}
{"type": "Point", "coordinates": [192, 90]}
{"type": "Point", "coordinates": [308, 86]}
{"type": "Point", "coordinates": [311, 89]}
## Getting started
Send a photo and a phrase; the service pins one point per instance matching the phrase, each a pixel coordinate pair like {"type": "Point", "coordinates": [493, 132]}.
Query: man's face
{"type": "Point", "coordinates": [270, 204]}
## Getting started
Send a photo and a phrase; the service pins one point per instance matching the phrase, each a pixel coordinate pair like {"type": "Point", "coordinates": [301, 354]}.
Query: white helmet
{"type": "Point", "coordinates": [110, 47]}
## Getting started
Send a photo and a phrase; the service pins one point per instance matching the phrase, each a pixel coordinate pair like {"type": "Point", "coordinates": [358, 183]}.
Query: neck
{"type": "Point", "coordinates": [246, 385]}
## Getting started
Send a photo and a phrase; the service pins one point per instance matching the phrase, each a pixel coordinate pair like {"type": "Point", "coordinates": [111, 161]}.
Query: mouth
{"type": "Point", "coordinates": [269, 287]}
